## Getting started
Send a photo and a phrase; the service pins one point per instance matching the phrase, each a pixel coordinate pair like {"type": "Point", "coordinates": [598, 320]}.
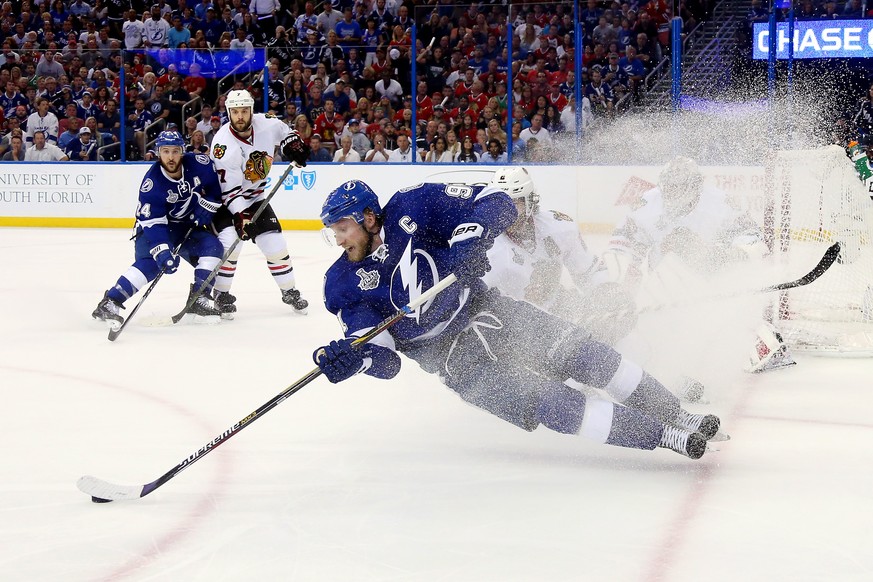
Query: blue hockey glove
{"type": "Point", "coordinates": [204, 211]}
{"type": "Point", "coordinates": [165, 259]}
{"type": "Point", "coordinates": [339, 360]}
{"type": "Point", "coordinates": [470, 259]}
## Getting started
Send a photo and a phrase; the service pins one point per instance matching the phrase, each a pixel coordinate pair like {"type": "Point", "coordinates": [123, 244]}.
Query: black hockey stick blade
{"type": "Point", "coordinates": [823, 265]}
{"type": "Point", "coordinates": [115, 332]}
{"type": "Point", "coordinates": [103, 491]}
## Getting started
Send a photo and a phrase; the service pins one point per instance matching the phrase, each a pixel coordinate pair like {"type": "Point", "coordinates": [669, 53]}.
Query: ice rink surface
{"type": "Point", "coordinates": [381, 481]}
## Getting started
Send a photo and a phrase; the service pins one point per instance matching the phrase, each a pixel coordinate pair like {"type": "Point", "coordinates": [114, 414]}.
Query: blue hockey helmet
{"type": "Point", "coordinates": [169, 138]}
{"type": "Point", "coordinates": [349, 200]}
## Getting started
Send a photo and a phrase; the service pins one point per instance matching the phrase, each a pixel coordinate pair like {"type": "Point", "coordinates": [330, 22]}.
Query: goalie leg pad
{"type": "Point", "coordinates": [770, 352]}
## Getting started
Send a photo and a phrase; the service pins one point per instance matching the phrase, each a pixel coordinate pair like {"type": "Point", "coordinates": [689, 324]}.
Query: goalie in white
{"type": "Point", "coordinates": [694, 222]}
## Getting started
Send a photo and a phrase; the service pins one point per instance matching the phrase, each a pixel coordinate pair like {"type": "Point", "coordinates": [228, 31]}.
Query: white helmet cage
{"type": "Point", "coordinates": [680, 182]}
{"type": "Point", "coordinates": [516, 182]}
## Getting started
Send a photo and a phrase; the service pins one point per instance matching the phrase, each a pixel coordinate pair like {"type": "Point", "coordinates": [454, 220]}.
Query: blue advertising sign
{"type": "Point", "coordinates": [813, 39]}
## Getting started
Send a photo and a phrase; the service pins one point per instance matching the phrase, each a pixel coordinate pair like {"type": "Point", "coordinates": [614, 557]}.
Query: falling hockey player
{"type": "Point", "coordinates": [243, 154]}
{"type": "Point", "coordinates": [180, 192]}
{"type": "Point", "coordinates": [683, 218]}
{"type": "Point", "coordinates": [502, 355]}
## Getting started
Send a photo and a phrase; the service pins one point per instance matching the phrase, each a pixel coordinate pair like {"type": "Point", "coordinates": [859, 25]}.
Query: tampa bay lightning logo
{"type": "Point", "coordinates": [415, 273]}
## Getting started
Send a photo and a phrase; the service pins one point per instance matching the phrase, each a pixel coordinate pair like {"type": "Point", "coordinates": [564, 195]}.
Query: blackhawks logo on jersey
{"type": "Point", "coordinates": [218, 151]}
{"type": "Point", "coordinates": [258, 166]}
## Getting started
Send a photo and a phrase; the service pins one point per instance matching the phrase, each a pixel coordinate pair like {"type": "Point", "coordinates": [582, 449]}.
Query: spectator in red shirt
{"type": "Point", "coordinates": [477, 97]}
{"type": "Point", "coordinates": [423, 103]}
{"type": "Point", "coordinates": [466, 85]}
{"type": "Point", "coordinates": [324, 123]}
{"type": "Point", "coordinates": [556, 98]}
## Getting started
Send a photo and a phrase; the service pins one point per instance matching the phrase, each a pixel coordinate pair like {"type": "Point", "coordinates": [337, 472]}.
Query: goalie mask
{"type": "Point", "coordinates": [680, 183]}
{"type": "Point", "coordinates": [518, 184]}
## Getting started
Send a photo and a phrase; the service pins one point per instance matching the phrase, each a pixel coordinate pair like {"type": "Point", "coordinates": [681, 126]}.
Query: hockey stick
{"type": "Point", "coordinates": [102, 491]}
{"type": "Point", "coordinates": [114, 333]}
{"type": "Point", "coordinates": [196, 295]}
{"type": "Point", "coordinates": [827, 260]}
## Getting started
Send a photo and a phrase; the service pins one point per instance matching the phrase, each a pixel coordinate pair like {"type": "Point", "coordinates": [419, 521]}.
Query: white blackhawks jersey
{"type": "Point", "coordinates": [713, 221]}
{"type": "Point", "coordinates": [531, 270]}
{"type": "Point", "coordinates": [243, 165]}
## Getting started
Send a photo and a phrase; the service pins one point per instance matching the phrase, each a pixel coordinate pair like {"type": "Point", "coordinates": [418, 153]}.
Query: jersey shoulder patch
{"type": "Point", "coordinates": [147, 185]}
{"type": "Point", "coordinates": [561, 216]}
{"type": "Point", "coordinates": [270, 116]}
{"type": "Point", "coordinates": [203, 159]}
{"type": "Point", "coordinates": [218, 151]}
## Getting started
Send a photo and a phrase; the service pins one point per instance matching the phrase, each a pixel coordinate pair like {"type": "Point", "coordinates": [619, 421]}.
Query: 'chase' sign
{"type": "Point", "coordinates": [818, 39]}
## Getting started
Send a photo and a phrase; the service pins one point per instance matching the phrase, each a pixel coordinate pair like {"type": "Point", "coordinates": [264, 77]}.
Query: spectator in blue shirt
{"type": "Point", "coordinates": [348, 30]}
{"type": "Point", "coordinates": [83, 148]}
{"type": "Point", "coordinates": [178, 34]}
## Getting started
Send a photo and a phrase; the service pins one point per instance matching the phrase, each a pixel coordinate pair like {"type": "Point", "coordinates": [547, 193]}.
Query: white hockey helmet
{"type": "Point", "coordinates": [680, 182]}
{"type": "Point", "coordinates": [239, 98]}
{"type": "Point", "coordinates": [516, 182]}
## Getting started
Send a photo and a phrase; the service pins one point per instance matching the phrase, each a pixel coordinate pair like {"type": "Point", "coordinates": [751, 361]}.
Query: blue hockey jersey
{"type": "Point", "coordinates": [419, 223]}
{"type": "Point", "coordinates": [165, 203]}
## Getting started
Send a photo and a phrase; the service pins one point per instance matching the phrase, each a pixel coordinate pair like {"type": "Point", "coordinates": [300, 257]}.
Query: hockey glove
{"type": "Point", "coordinates": [294, 149]}
{"type": "Point", "coordinates": [470, 259]}
{"type": "Point", "coordinates": [166, 260]}
{"type": "Point", "coordinates": [339, 360]}
{"type": "Point", "coordinates": [204, 211]}
{"type": "Point", "coordinates": [245, 228]}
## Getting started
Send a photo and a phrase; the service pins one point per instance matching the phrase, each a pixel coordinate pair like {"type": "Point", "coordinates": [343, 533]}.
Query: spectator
{"type": "Point", "coordinates": [326, 21]}
{"type": "Point", "coordinates": [438, 153]}
{"type": "Point", "coordinates": [378, 153]}
{"type": "Point", "coordinates": [198, 143]}
{"type": "Point", "coordinates": [16, 151]}
{"type": "Point", "coordinates": [453, 146]}
{"type": "Point", "coordinates": [536, 130]}
{"type": "Point", "coordinates": [388, 87]}
{"type": "Point", "coordinates": [71, 133]}
{"type": "Point", "coordinates": [109, 121]}
{"type": "Point", "coordinates": [44, 121]}
{"type": "Point", "coordinates": [600, 95]}
{"type": "Point", "coordinates": [345, 153]}
{"type": "Point", "coordinates": [48, 66]}
{"type": "Point", "coordinates": [403, 152]}
{"type": "Point", "coordinates": [317, 152]}
{"type": "Point", "coordinates": [468, 154]}
{"type": "Point", "coordinates": [634, 69]}
{"type": "Point", "coordinates": [360, 142]}
{"type": "Point", "coordinates": [83, 148]}
{"type": "Point", "coordinates": [307, 22]}
{"type": "Point", "coordinates": [178, 34]}
{"type": "Point", "coordinates": [495, 153]}
{"type": "Point", "coordinates": [133, 30]}
{"type": "Point", "coordinates": [137, 122]}
{"type": "Point", "coordinates": [43, 151]}
{"type": "Point", "coordinates": [156, 29]}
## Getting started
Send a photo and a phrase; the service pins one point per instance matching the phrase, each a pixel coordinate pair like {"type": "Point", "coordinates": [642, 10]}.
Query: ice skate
{"type": "Point", "coordinates": [691, 390]}
{"type": "Point", "coordinates": [109, 310]}
{"type": "Point", "coordinates": [690, 444]}
{"type": "Point", "coordinates": [705, 424]}
{"type": "Point", "coordinates": [225, 302]}
{"type": "Point", "coordinates": [292, 297]}
{"type": "Point", "coordinates": [203, 310]}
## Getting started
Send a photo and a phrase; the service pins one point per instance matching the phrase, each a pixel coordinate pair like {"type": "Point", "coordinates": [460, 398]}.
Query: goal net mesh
{"type": "Point", "coordinates": [815, 199]}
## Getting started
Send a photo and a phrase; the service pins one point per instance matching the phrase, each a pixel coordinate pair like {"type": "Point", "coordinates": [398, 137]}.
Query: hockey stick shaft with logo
{"type": "Point", "coordinates": [102, 491]}
{"type": "Point", "coordinates": [208, 280]}
{"type": "Point", "coordinates": [114, 333]}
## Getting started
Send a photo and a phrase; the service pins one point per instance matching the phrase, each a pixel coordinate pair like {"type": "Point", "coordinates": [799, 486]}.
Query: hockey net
{"type": "Point", "coordinates": [815, 198]}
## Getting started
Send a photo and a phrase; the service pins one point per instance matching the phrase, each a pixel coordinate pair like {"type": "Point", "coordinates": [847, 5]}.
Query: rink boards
{"type": "Point", "coordinates": [89, 195]}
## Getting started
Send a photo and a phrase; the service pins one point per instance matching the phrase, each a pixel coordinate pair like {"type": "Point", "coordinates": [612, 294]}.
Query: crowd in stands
{"type": "Point", "coordinates": [340, 72]}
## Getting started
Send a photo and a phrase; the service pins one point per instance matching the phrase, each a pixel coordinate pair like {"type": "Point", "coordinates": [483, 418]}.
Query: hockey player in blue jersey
{"type": "Point", "coordinates": [502, 355]}
{"type": "Point", "coordinates": [178, 194]}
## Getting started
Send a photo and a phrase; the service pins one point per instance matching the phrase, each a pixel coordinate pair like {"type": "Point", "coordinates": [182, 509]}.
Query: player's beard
{"type": "Point", "coordinates": [172, 166]}
{"type": "Point", "coordinates": [358, 253]}
{"type": "Point", "coordinates": [240, 126]}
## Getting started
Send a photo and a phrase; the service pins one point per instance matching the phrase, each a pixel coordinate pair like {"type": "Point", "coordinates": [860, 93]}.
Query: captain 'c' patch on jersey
{"type": "Point", "coordinates": [218, 151]}
{"type": "Point", "coordinates": [258, 166]}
